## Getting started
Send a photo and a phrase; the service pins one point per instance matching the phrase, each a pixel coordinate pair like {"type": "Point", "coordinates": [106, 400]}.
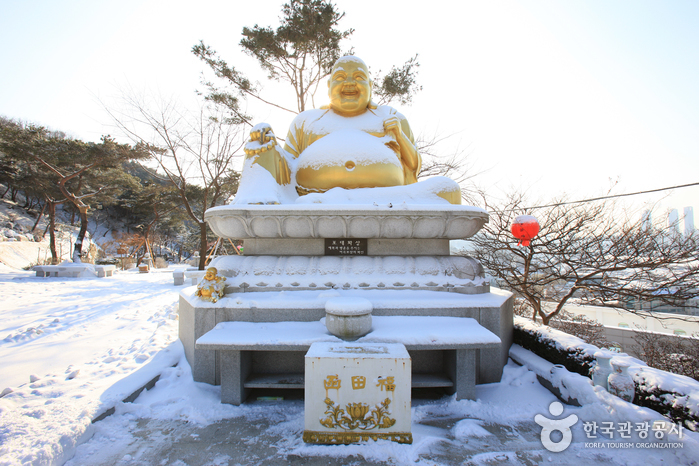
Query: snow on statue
{"type": "Point", "coordinates": [351, 143]}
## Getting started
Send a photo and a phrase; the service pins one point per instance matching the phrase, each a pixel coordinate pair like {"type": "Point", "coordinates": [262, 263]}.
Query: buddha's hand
{"type": "Point", "coordinates": [261, 139]}
{"type": "Point", "coordinates": [394, 130]}
{"type": "Point", "coordinates": [392, 127]}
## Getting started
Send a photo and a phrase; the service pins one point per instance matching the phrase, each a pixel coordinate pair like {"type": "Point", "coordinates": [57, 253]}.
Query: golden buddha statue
{"type": "Point", "coordinates": [351, 143]}
{"type": "Point", "coordinates": [211, 287]}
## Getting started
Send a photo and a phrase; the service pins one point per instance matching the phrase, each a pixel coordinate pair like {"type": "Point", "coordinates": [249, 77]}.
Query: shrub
{"type": "Point", "coordinates": [676, 354]}
{"type": "Point", "coordinates": [559, 348]}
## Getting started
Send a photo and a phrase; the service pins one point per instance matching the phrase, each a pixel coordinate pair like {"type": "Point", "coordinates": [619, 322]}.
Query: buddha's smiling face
{"type": "Point", "coordinates": [210, 273]}
{"type": "Point", "coordinates": [349, 87]}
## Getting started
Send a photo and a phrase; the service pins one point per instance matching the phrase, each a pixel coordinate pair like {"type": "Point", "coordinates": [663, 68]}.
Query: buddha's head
{"type": "Point", "coordinates": [210, 273]}
{"type": "Point", "coordinates": [349, 86]}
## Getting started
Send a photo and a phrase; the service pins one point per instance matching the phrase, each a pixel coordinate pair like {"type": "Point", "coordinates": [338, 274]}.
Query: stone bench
{"type": "Point", "coordinates": [236, 344]}
{"type": "Point", "coordinates": [193, 275]}
{"type": "Point", "coordinates": [105, 270]}
{"type": "Point", "coordinates": [190, 274]}
{"type": "Point", "coordinates": [74, 270]}
{"type": "Point", "coordinates": [178, 277]}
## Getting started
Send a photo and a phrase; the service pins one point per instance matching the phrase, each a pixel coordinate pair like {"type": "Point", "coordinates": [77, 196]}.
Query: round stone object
{"type": "Point", "coordinates": [348, 318]}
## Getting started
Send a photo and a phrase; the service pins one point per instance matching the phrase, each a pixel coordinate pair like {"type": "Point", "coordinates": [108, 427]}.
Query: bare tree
{"type": "Point", "coordinates": [590, 252]}
{"type": "Point", "coordinates": [455, 163]}
{"type": "Point", "coordinates": [195, 152]}
{"type": "Point", "coordinates": [161, 202]}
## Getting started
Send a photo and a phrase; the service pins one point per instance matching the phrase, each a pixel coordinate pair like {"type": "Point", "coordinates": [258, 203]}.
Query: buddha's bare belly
{"type": "Point", "coordinates": [349, 159]}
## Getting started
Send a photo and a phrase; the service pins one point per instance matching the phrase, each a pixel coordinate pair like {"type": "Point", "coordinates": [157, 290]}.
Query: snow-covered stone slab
{"type": "Point", "coordinates": [355, 392]}
{"type": "Point", "coordinates": [74, 270]}
{"type": "Point", "coordinates": [193, 275]}
{"type": "Point", "coordinates": [415, 332]}
{"type": "Point", "coordinates": [389, 302]}
{"type": "Point", "coordinates": [189, 275]}
{"type": "Point", "coordinates": [178, 277]}
{"type": "Point", "coordinates": [294, 273]}
{"type": "Point", "coordinates": [346, 221]}
{"type": "Point", "coordinates": [65, 270]}
{"type": "Point", "coordinates": [105, 270]}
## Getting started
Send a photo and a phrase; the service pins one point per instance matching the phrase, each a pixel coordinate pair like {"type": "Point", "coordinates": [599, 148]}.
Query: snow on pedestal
{"type": "Point", "coordinates": [357, 391]}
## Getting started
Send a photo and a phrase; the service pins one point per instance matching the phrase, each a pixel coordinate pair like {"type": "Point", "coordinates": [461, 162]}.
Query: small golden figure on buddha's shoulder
{"type": "Point", "coordinates": [212, 286]}
{"type": "Point", "coordinates": [351, 143]}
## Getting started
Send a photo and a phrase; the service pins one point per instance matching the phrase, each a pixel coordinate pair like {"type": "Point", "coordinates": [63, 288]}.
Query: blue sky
{"type": "Point", "coordinates": [549, 96]}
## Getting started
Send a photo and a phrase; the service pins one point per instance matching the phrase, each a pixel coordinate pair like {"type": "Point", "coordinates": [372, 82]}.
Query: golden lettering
{"type": "Point", "coordinates": [358, 382]}
{"type": "Point", "coordinates": [388, 383]}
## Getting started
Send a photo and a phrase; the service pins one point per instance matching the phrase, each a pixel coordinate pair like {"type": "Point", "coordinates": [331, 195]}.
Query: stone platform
{"type": "Point", "coordinates": [296, 273]}
{"type": "Point", "coordinates": [299, 256]}
{"type": "Point", "coordinates": [493, 311]}
{"type": "Point", "coordinates": [346, 221]}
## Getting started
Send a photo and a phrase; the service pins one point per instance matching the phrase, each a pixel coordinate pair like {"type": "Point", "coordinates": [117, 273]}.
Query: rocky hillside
{"type": "Point", "coordinates": [20, 248]}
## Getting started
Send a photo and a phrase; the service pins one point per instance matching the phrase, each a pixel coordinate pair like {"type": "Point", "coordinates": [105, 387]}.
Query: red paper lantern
{"type": "Point", "coordinates": [524, 228]}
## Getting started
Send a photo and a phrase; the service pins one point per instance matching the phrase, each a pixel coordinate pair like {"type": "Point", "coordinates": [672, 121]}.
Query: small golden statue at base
{"type": "Point", "coordinates": [211, 287]}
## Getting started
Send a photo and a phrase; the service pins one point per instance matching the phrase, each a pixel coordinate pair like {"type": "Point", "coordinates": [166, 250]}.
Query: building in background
{"type": "Point", "coordinates": [688, 220]}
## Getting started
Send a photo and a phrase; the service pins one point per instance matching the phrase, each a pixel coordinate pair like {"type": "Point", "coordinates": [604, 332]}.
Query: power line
{"type": "Point", "coordinates": [613, 196]}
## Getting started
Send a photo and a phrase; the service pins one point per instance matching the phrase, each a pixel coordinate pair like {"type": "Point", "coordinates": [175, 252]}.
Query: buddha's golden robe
{"type": "Point", "coordinates": [349, 152]}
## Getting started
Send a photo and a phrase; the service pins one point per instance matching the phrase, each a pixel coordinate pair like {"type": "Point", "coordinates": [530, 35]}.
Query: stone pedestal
{"type": "Point", "coordinates": [399, 261]}
{"type": "Point", "coordinates": [346, 221]}
{"type": "Point", "coordinates": [356, 392]}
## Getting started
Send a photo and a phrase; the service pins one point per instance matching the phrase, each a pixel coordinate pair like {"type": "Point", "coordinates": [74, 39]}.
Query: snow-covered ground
{"type": "Point", "coordinates": [74, 348]}
{"type": "Point", "coordinates": [181, 422]}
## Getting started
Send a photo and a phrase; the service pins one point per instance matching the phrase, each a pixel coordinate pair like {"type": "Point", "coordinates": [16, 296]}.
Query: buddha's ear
{"type": "Point", "coordinates": [372, 105]}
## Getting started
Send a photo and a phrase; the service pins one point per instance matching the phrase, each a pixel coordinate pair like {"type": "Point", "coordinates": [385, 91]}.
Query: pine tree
{"type": "Point", "coordinates": [301, 52]}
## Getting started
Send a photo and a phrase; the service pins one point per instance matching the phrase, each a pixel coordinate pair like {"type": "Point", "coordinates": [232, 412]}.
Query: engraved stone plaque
{"type": "Point", "coordinates": [345, 246]}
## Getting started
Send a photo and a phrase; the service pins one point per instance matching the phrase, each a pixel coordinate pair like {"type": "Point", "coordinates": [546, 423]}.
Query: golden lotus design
{"type": "Point", "coordinates": [357, 416]}
{"type": "Point", "coordinates": [357, 411]}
